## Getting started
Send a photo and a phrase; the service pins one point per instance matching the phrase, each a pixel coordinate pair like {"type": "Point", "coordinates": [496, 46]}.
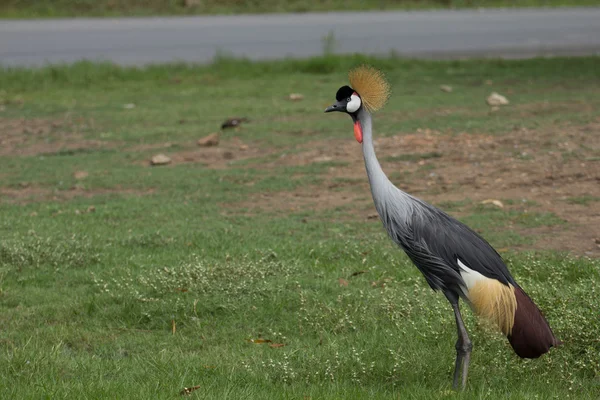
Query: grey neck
{"type": "Point", "coordinates": [377, 177]}
{"type": "Point", "coordinates": [390, 201]}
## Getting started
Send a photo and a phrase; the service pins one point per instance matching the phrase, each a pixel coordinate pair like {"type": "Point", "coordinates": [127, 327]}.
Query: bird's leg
{"type": "Point", "coordinates": [463, 350]}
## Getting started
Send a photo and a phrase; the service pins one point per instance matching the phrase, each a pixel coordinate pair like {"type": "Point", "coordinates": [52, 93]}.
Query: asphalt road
{"type": "Point", "coordinates": [427, 34]}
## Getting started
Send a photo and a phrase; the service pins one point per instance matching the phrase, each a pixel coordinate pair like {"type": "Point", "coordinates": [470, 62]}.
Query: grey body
{"type": "Point", "coordinates": [430, 34]}
{"type": "Point", "coordinates": [432, 239]}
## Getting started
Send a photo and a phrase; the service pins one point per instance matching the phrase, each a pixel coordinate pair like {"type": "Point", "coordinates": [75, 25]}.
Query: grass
{"type": "Point", "coordinates": [81, 8]}
{"type": "Point", "coordinates": [164, 283]}
{"type": "Point", "coordinates": [583, 200]}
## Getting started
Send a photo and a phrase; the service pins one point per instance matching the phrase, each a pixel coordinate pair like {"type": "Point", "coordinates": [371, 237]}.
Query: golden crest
{"type": "Point", "coordinates": [371, 85]}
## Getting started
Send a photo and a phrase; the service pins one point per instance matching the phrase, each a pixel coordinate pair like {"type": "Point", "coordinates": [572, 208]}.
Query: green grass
{"type": "Point", "coordinates": [80, 8]}
{"type": "Point", "coordinates": [88, 300]}
{"type": "Point", "coordinates": [583, 200]}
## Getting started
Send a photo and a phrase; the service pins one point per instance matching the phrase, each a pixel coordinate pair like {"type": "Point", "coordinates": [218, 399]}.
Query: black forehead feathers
{"type": "Point", "coordinates": [343, 93]}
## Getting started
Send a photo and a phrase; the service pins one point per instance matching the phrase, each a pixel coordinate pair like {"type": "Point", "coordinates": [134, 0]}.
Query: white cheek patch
{"type": "Point", "coordinates": [354, 104]}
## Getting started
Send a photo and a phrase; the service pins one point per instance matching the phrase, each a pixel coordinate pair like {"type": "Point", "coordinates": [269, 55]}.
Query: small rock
{"type": "Point", "coordinates": [446, 88]}
{"type": "Point", "coordinates": [91, 209]}
{"type": "Point", "coordinates": [160, 159]}
{"type": "Point", "coordinates": [210, 140]}
{"type": "Point", "coordinates": [228, 155]}
{"type": "Point", "coordinates": [79, 175]}
{"type": "Point", "coordinates": [496, 99]}
{"type": "Point", "coordinates": [129, 106]}
{"type": "Point", "coordinates": [33, 214]}
{"type": "Point", "coordinates": [489, 82]}
{"type": "Point", "coordinates": [243, 147]}
{"type": "Point", "coordinates": [296, 96]}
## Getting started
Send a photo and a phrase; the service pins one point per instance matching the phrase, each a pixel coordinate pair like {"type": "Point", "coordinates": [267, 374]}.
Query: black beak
{"type": "Point", "coordinates": [339, 106]}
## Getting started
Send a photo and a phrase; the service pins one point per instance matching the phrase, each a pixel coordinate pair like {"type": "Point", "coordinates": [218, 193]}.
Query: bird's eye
{"type": "Point", "coordinates": [349, 99]}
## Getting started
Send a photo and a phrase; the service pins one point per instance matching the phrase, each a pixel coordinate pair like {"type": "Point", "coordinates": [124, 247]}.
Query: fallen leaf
{"type": "Point", "coordinates": [189, 390]}
{"type": "Point", "coordinates": [497, 203]}
{"type": "Point", "coordinates": [91, 209]}
{"type": "Point", "coordinates": [128, 106]}
{"type": "Point", "coordinates": [296, 96]}
{"type": "Point", "coordinates": [259, 341]}
{"type": "Point", "coordinates": [357, 273]}
{"type": "Point", "coordinates": [343, 282]}
{"type": "Point", "coordinates": [276, 345]}
{"type": "Point", "coordinates": [173, 326]}
{"type": "Point", "coordinates": [446, 88]}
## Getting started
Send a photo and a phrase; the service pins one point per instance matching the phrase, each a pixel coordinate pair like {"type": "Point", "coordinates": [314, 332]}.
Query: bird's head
{"type": "Point", "coordinates": [369, 92]}
{"type": "Point", "coordinates": [348, 101]}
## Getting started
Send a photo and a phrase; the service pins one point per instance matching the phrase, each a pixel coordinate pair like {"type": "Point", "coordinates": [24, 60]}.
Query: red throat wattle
{"type": "Point", "coordinates": [358, 131]}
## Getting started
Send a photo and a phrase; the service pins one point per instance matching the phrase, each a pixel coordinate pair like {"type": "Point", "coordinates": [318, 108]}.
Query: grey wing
{"type": "Point", "coordinates": [450, 240]}
{"type": "Point", "coordinates": [408, 234]}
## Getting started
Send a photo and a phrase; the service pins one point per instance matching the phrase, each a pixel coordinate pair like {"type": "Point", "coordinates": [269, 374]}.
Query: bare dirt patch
{"type": "Point", "coordinates": [30, 137]}
{"type": "Point", "coordinates": [544, 169]}
{"type": "Point", "coordinates": [215, 157]}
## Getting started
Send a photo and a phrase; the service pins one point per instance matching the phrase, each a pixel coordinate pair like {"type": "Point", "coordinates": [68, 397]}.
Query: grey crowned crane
{"type": "Point", "coordinates": [452, 257]}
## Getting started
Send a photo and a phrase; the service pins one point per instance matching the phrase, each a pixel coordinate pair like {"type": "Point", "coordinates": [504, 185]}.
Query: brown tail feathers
{"type": "Point", "coordinates": [531, 335]}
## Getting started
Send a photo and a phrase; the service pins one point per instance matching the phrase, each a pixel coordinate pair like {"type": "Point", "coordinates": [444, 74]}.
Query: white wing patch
{"type": "Point", "coordinates": [354, 104]}
{"type": "Point", "coordinates": [469, 276]}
